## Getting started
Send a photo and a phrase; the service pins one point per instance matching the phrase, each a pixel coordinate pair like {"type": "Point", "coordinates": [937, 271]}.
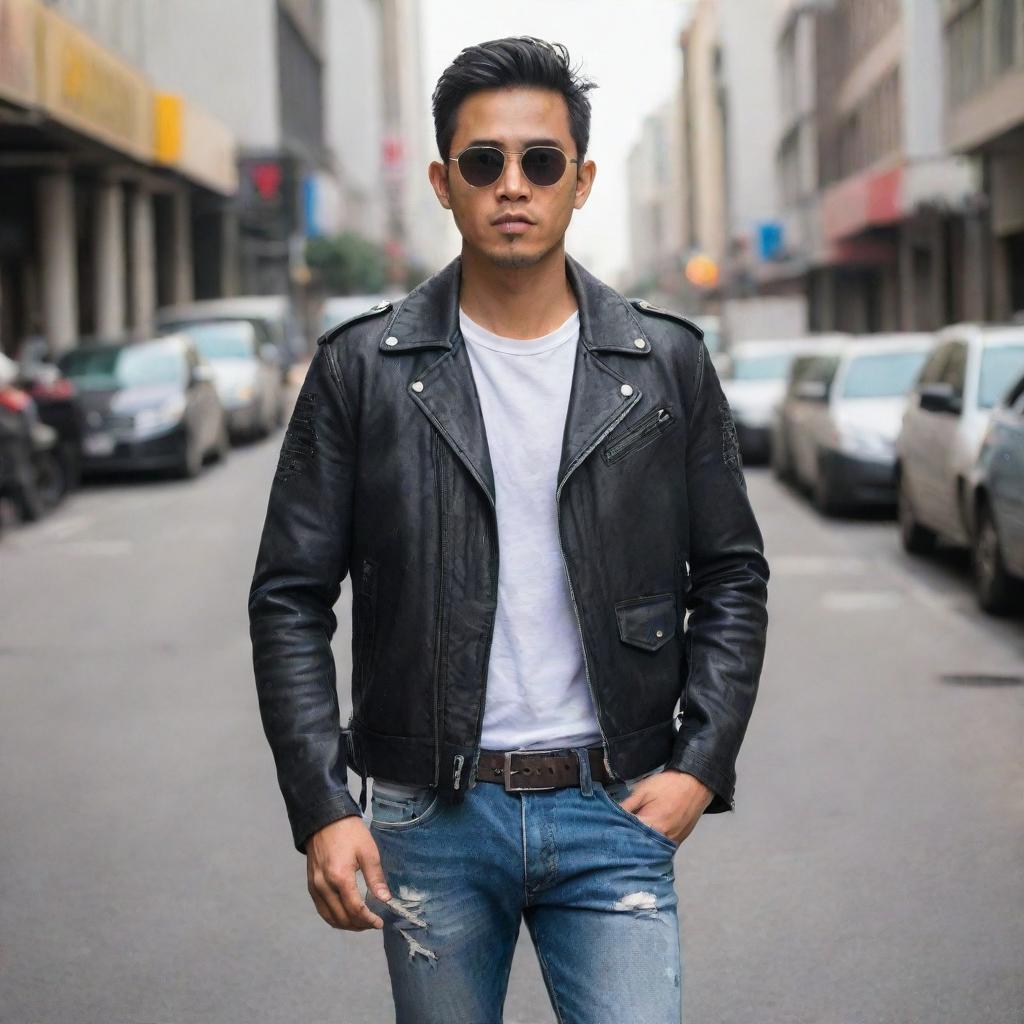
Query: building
{"type": "Point", "coordinates": [111, 185]}
{"type": "Point", "coordinates": [895, 205]}
{"type": "Point", "coordinates": [984, 48]}
{"type": "Point", "coordinates": [657, 202]}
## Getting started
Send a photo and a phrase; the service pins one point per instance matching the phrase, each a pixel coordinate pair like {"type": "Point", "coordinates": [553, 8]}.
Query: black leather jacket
{"type": "Point", "coordinates": [384, 473]}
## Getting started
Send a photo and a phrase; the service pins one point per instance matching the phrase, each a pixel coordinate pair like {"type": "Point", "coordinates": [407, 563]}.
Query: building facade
{"type": "Point", "coordinates": [984, 50]}
{"type": "Point", "coordinates": [895, 205]}
{"type": "Point", "coordinates": [107, 182]}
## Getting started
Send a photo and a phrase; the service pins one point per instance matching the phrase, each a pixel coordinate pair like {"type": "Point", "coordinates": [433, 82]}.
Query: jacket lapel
{"type": "Point", "coordinates": [445, 391]}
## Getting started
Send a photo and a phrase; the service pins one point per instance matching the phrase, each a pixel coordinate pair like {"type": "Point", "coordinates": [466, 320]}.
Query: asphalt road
{"type": "Point", "coordinates": [873, 872]}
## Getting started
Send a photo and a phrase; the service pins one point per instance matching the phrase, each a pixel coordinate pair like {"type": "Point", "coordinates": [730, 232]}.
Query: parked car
{"type": "Point", "coordinates": [846, 416]}
{"type": "Point", "coordinates": [997, 503]}
{"type": "Point", "coordinates": [339, 308]}
{"type": "Point", "coordinates": [754, 378]}
{"type": "Point", "coordinates": [148, 405]}
{"type": "Point", "coordinates": [272, 316]}
{"type": "Point", "coordinates": [246, 375]}
{"type": "Point", "coordinates": [944, 425]}
{"type": "Point", "coordinates": [787, 411]}
{"type": "Point", "coordinates": [29, 472]}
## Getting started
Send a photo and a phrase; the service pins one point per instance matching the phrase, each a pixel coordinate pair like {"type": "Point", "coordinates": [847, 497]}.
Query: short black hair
{"type": "Point", "coordinates": [504, 63]}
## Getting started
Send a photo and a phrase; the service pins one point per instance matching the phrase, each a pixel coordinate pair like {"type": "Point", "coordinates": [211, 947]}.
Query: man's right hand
{"type": "Point", "coordinates": [332, 857]}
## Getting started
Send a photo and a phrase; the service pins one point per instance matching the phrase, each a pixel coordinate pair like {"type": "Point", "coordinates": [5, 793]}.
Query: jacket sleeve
{"type": "Point", "coordinates": [726, 629]}
{"type": "Point", "coordinates": [303, 558]}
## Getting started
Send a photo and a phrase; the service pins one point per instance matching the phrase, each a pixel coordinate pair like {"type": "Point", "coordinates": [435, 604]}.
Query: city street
{"type": "Point", "coordinates": [872, 872]}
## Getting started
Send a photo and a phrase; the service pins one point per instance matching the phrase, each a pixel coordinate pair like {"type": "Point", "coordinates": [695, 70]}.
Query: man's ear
{"type": "Point", "coordinates": [438, 175]}
{"type": "Point", "coordinates": [584, 182]}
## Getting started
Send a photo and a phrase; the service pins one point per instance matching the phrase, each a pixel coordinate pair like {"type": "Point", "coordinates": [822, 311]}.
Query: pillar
{"type": "Point", "coordinates": [58, 269]}
{"type": "Point", "coordinates": [143, 260]}
{"type": "Point", "coordinates": [110, 261]}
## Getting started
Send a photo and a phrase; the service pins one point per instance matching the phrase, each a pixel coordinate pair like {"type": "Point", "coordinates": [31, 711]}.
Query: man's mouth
{"type": "Point", "coordinates": [512, 223]}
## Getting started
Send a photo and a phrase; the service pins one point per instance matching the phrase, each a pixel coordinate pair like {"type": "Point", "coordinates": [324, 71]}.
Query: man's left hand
{"type": "Point", "coordinates": [670, 801]}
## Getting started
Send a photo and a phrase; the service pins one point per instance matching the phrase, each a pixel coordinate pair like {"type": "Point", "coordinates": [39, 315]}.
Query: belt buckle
{"type": "Point", "coordinates": [507, 774]}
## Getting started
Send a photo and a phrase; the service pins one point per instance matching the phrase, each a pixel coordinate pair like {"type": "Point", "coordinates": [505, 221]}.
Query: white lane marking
{"type": "Point", "coordinates": [861, 600]}
{"type": "Point", "coordinates": [61, 528]}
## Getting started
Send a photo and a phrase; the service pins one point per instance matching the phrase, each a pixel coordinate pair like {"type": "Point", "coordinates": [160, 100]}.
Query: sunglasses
{"type": "Point", "coordinates": [481, 166]}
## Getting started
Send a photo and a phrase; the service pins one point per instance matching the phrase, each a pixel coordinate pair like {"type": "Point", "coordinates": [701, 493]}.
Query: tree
{"type": "Point", "coordinates": [347, 264]}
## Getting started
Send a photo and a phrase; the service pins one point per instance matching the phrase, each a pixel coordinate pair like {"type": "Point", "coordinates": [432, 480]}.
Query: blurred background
{"type": "Point", "coordinates": [192, 192]}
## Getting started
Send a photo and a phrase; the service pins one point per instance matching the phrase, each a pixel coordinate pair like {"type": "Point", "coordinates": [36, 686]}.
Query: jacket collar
{"type": "Point", "coordinates": [429, 316]}
{"type": "Point", "coordinates": [444, 389]}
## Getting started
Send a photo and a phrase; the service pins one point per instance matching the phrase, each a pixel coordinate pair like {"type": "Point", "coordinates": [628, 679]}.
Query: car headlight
{"type": "Point", "coordinates": [160, 417]}
{"type": "Point", "coordinates": [232, 395]}
{"type": "Point", "coordinates": [865, 444]}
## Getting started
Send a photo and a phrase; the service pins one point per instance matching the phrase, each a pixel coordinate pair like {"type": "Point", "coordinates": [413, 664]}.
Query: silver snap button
{"type": "Point", "coordinates": [417, 385]}
{"type": "Point", "coordinates": [639, 342]}
{"type": "Point", "coordinates": [390, 341]}
{"type": "Point", "coordinates": [626, 390]}
{"type": "Point", "coordinates": [659, 633]}
{"type": "Point", "coordinates": [381, 305]}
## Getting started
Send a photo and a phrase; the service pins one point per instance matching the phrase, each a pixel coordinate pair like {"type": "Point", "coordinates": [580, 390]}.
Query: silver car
{"type": "Point", "coordinates": [945, 422]}
{"type": "Point", "coordinates": [272, 316]}
{"type": "Point", "coordinates": [846, 416]}
{"type": "Point", "coordinates": [247, 376]}
{"type": "Point", "coordinates": [754, 375]}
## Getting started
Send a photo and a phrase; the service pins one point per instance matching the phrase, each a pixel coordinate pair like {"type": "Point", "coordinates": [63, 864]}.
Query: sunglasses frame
{"type": "Point", "coordinates": [568, 160]}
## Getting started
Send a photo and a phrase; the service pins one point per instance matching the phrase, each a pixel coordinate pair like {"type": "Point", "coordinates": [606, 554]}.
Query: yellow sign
{"type": "Point", "coordinates": [93, 91]}
{"type": "Point", "coordinates": [194, 143]}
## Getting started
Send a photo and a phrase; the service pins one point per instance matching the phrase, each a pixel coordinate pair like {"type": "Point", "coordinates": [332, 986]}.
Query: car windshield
{"type": "Point", "coordinates": [882, 375]}
{"type": "Point", "coordinates": [763, 367]}
{"type": "Point", "coordinates": [229, 339]}
{"type": "Point", "coordinates": [1000, 367]}
{"type": "Point", "coordinates": [109, 368]}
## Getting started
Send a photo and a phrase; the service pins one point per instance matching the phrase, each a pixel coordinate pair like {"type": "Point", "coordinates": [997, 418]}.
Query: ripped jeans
{"type": "Point", "coordinates": [594, 883]}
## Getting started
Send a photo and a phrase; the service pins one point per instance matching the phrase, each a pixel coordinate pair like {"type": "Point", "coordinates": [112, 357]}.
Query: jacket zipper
{"type": "Point", "coordinates": [438, 724]}
{"type": "Point", "coordinates": [651, 423]}
{"type": "Point", "coordinates": [568, 576]}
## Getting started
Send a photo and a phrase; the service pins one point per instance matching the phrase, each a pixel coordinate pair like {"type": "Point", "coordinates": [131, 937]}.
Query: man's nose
{"type": "Point", "coordinates": [513, 184]}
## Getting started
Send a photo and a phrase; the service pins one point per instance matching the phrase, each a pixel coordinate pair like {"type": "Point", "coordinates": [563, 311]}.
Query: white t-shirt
{"type": "Point", "coordinates": [537, 696]}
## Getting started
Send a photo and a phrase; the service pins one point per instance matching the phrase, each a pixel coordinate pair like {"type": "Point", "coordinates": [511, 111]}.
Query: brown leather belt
{"type": "Point", "coordinates": [538, 769]}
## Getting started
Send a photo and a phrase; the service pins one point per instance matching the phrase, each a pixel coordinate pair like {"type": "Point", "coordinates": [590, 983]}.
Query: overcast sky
{"type": "Point", "coordinates": [629, 47]}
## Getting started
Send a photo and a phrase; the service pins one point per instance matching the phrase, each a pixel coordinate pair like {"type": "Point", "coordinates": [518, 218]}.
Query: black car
{"type": "Point", "coordinates": [998, 506]}
{"type": "Point", "coordinates": [148, 405]}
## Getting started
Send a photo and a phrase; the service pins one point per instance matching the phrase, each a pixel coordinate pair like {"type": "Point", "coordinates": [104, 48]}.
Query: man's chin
{"type": "Point", "coordinates": [516, 259]}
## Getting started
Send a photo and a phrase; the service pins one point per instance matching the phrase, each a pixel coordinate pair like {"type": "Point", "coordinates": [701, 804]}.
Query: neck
{"type": "Point", "coordinates": [517, 302]}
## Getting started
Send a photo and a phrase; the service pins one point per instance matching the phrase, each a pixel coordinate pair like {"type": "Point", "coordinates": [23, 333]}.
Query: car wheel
{"type": "Point", "coordinates": [998, 592]}
{"type": "Point", "coordinates": [223, 446]}
{"type": "Point", "coordinates": [916, 539]}
{"type": "Point", "coordinates": [50, 479]}
{"type": "Point", "coordinates": [191, 460]}
{"type": "Point", "coordinates": [777, 459]}
{"type": "Point", "coordinates": [824, 500]}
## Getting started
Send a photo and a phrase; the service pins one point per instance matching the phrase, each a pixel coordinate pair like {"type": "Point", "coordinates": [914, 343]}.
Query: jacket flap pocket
{"type": "Point", "coordinates": [647, 622]}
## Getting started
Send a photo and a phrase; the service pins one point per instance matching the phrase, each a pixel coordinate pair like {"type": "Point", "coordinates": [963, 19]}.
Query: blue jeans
{"type": "Point", "coordinates": [594, 883]}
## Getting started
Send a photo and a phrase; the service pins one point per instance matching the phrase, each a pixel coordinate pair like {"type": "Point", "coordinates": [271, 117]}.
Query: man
{"type": "Point", "coordinates": [530, 480]}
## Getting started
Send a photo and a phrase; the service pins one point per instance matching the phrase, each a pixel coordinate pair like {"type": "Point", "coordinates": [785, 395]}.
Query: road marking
{"type": "Point", "coordinates": [861, 600]}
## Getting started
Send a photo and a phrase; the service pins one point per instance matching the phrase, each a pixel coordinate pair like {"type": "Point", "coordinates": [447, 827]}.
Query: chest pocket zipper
{"type": "Point", "coordinates": [643, 432]}
{"type": "Point", "coordinates": [366, 601]}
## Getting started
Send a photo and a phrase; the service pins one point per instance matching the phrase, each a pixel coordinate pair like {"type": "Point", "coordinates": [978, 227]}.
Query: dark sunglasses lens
{"type": "Point", "coordinates": [544, 165]}
{"type": "Point", "coordinates": [481, 166]}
